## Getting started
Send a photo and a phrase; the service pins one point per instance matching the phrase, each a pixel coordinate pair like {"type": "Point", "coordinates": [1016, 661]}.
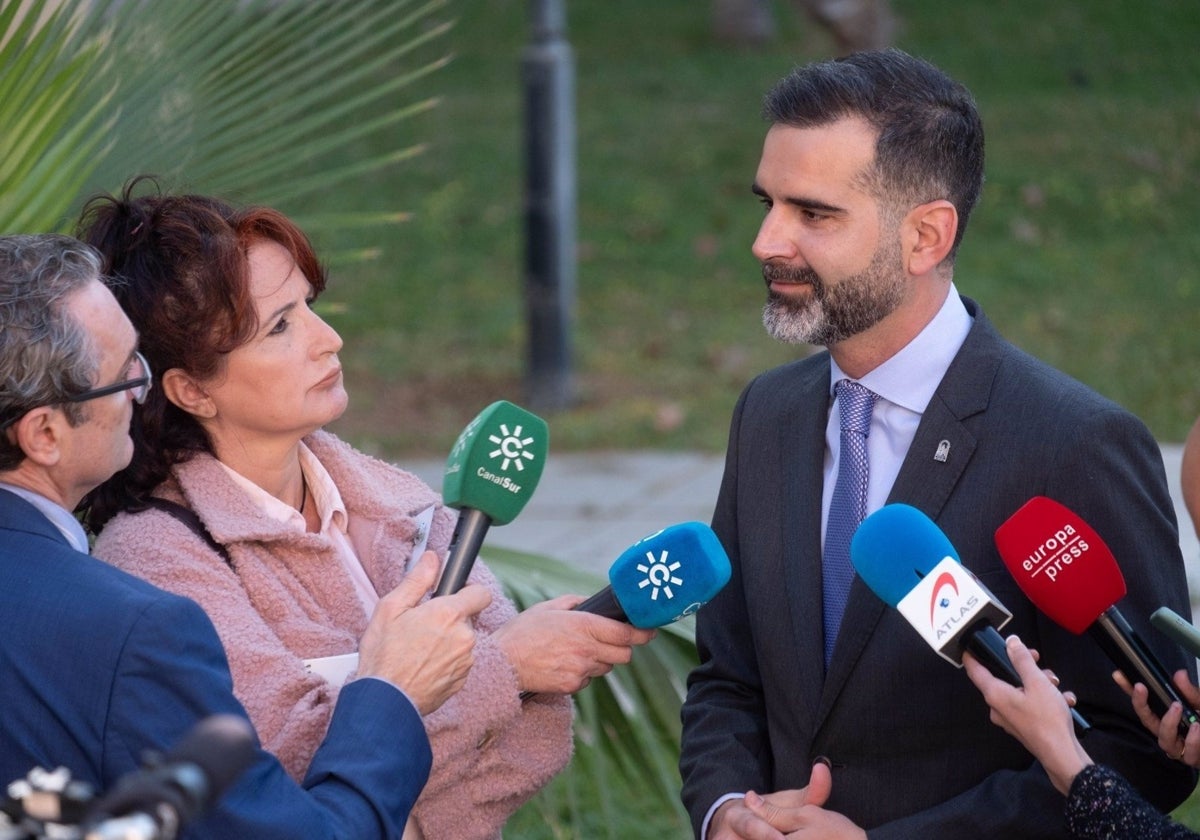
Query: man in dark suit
{"type": "Point", "coordinates": [98, 667]}
{"type": "Point", "coordinates": [869, 171]}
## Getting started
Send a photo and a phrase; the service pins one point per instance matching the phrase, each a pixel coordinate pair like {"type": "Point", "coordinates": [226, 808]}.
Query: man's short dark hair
{"type": "Point", "coordinates": [930, 143]}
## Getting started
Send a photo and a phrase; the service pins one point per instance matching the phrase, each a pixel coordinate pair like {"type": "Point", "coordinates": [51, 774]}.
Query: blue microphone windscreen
{"type": "Point", "coordinates": [895, 547]}
{"type": "Point", "coordinates": [662, 578]}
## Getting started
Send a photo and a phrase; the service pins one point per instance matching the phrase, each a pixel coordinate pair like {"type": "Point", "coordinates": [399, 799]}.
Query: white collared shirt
{"type": "Point", "coordinates": [905, 384]}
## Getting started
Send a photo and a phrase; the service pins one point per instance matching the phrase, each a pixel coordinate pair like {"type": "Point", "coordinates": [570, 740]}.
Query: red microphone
{"type": "Point", "coordinates": [1067, 571]}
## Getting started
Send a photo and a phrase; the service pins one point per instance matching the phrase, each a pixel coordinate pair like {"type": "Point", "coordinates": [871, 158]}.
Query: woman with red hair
{"type": "Point", "coordinates": [285, 534]}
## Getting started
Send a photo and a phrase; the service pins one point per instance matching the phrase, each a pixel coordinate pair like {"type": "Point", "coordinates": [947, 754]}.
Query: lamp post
{"type": "Point", "coordinates": [548, 81]}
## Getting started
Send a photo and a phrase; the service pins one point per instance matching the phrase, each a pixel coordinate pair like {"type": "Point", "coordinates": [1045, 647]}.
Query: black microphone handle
{"type": "Point", "coordinates": [156, 801]}
{"type": "Point", "coordinates": [604, 603]}
{"type": "Point", "coordinates": [221, 747]}
{"type": "Point", "coordinates": [1139, 664]}
{"type": "Point", "coordinates": [471, 528]}
{"type": "Point", "coordinates": [986, 645]}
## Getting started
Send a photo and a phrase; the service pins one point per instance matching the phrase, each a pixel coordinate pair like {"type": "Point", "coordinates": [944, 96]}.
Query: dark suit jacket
{"type": "Point", "coordinates": [98, 666]}
{"type": "Point", "coordinates": [909, 738]}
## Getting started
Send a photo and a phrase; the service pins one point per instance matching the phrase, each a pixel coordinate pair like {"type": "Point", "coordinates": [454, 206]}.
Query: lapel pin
{"type": "Point", "coordinates": [943, 452]}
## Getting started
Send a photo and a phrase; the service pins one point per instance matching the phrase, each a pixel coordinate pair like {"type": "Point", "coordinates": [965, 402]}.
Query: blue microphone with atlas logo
{"type": "Point", "coordinates": [911, 565]}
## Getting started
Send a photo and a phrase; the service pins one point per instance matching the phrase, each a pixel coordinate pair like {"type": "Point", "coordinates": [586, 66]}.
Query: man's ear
{"type": "Point", "coordinates": [185, 392]}
{"type": "Point", "coordinates": [39, 434]}
{"type": "Point", "coordinates": [929, 235]}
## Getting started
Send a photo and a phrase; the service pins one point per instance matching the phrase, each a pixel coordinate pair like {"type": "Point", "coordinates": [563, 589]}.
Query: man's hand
{"type": "Point", "coordinates": [426, 650]}
{"type": "Point", "coordinates": [785, 814]}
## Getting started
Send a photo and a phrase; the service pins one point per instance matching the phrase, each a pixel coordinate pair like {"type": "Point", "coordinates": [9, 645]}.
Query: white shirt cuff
{"type": "Point", "coordinates": [708, 817]}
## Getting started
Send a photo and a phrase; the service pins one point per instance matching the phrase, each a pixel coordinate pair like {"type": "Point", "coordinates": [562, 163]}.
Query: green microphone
{"type": "Point", "coordinates": [491, 473]}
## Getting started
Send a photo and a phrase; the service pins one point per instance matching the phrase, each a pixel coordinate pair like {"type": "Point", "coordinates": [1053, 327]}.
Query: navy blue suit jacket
{"type": "Point", "coordinates": [908, 735]}
{"type": "Point", "coordinates": [98, 666]}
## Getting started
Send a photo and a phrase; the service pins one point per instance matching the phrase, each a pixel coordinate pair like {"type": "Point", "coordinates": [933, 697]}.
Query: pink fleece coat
{"type": "Point", "coordinates": [287, 599]}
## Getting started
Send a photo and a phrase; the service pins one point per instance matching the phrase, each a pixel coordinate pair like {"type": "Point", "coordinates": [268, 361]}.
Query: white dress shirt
{"type": "Point", "coordinates": [905, 384]}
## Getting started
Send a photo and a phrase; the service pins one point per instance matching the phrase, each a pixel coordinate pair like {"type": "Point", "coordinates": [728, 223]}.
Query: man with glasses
{"type": "Point", "coordinates": [62, 330]}
{"type": "Point", "coordinates": [97, 666]}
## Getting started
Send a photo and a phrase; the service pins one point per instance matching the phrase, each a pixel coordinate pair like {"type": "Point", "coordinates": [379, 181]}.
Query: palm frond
{"type": "Point", "coordinates": [251, 99]}
{"type": "Point", "coordinates": [627, 725]}
{"type": "Point", "coordinates": [271, 101]}
{"type": "Point", "coordinates": [55, 112]}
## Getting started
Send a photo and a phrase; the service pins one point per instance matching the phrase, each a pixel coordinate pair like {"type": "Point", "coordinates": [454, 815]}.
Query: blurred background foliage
{"type": "Point", "coordinates": [1083, 251]}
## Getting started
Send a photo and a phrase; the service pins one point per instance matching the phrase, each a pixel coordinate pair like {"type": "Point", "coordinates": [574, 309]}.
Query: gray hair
{"type": "Point", "coordinates": [45, 355]}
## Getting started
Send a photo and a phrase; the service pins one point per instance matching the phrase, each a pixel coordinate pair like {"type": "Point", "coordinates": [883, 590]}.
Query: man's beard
{"type": "Point", "coordinates": [833, 313]}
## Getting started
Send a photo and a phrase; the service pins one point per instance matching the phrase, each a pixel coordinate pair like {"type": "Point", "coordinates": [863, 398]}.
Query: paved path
{"type": "Point", "coordinates": [589, 507]}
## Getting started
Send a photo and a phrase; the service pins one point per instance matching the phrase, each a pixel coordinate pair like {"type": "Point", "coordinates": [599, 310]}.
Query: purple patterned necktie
{"type": "Point", "coordinates": [849, 504]}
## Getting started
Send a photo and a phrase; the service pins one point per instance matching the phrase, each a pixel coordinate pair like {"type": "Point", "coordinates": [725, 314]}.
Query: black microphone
{"type": "Point", "coordinates": [156, 802]}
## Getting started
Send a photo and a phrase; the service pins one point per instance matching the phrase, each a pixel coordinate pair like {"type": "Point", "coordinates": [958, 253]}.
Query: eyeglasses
{"type": "Point", "coordinates": [139, 382]}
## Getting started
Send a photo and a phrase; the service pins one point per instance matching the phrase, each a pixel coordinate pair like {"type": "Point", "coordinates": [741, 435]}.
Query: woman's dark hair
{"type": "Point", "coordinates": [178, 265]}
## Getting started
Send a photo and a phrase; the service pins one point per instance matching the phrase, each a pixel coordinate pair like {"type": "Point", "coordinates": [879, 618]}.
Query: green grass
{"type": "Point", "coordinates": [1084, 250]}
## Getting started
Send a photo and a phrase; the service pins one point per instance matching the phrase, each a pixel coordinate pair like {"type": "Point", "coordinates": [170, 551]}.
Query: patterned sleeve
{"type": "Point", "coordinates": [1101, 804]}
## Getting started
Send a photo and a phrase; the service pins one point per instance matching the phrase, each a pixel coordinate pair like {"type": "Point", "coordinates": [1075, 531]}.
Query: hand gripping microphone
{"type": "Point", "coordinates": [1067, 571]}
{"type": "Point", "coordinates": [155, 802]}
{"type": "Point", "coordinates": [490, 474]}
{"type": "Point", "coordinates": [906, 559]}
{"type": "Point", "coordinates": [663, 577]}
